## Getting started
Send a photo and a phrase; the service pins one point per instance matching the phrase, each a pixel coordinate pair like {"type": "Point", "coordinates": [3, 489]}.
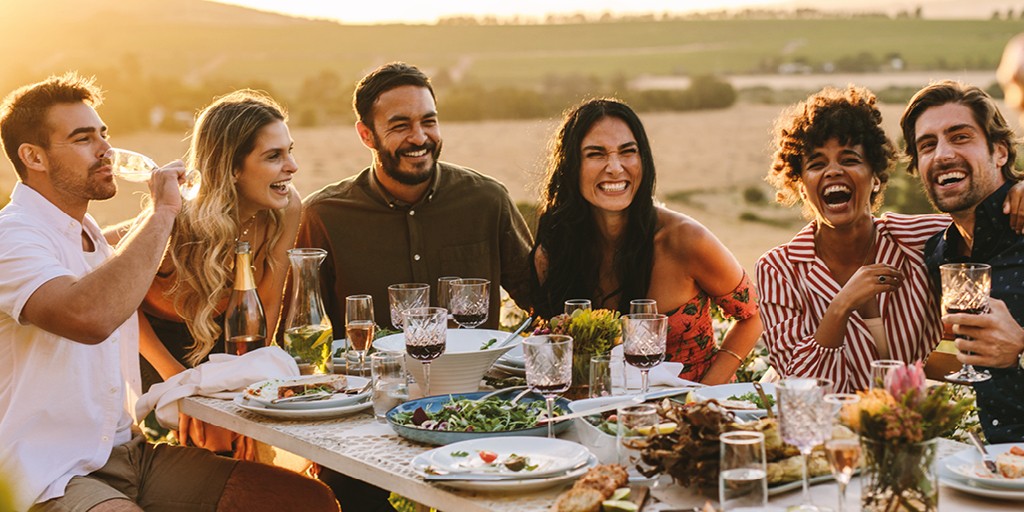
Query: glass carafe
{"type": "Point", "coordinates": [308, 335]}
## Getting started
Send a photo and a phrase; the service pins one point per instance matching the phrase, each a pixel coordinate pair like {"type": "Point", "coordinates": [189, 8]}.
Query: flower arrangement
{"type": "Point", "coordinates": [899, 425]}
{"type": "Point", "coordinates": [594, 332]}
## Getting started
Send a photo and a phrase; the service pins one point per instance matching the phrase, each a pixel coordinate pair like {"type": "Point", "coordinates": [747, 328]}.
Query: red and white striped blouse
{"type": "Point", "coordinates": [796, 287]}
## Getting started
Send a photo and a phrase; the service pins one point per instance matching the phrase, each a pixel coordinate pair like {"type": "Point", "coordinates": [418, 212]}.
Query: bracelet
{"type": "Point", "coordinates": [731, 353]}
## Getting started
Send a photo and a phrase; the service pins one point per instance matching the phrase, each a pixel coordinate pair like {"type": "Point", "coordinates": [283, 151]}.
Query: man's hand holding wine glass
{"type": "Point", "coordinates": [164, 183]}
{"type": "Point", "coordinates": [997, 340]}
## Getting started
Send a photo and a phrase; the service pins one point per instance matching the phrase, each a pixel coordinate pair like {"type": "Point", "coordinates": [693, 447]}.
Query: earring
{"type": "Point", "coordinates": [878, 186]}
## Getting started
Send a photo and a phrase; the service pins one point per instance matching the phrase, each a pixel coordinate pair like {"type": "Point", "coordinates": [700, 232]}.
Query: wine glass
{"type": "Point", "coordinates": [444, 293]}
{"type": "Point", "coordinates": [643, 338]}
{"type": "Point", "coordinates": [549, 368]}
{"type": "Point", "coordinates": [843, 452]}
{"type": "Point", "coordinates": [572, 305]}
{"type": "Point", "coordinates": [137, 168]}
{"type": "Point", "coordinates": [880, 369]}
{"type": "Point", "coordinates": [805, 421]}
{"type": "Point", "coordinates": [426, 331]}
{"type": "Point", "coordinates": [470, 300]}
{"type": "Point", "coordinates": [359, 326]}
{"type": "Point", "coordinates": [406, 296]}
{"type": "Point", "coordinates": [965, 289]}
{"type": "Point", "coordinates": [637, 306]}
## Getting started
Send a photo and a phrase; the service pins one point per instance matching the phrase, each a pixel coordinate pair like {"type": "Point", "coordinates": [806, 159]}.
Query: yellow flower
{"type": "Point", "coordinates": [873, 403]}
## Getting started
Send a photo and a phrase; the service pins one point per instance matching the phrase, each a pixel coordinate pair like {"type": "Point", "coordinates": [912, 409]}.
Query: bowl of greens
{"type": "Point", "coordinates": [446, 419]}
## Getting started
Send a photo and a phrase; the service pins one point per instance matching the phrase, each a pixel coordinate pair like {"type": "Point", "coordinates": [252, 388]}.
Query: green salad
{"type": "Point", "coordinates": [755, 399]}
{"type": "Point", "coordinates": [466, 415]}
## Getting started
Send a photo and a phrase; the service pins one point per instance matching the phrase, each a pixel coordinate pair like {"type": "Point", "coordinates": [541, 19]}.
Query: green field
{"type": "Point", "coordinates": [200, 42]}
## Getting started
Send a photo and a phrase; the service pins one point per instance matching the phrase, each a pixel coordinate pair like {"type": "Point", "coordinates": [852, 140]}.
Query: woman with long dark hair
{"type": "Point", "coordinates": [601, 236]}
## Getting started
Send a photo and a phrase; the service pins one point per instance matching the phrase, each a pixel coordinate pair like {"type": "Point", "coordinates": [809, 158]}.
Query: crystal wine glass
{"type": "Point", "coordinates": [965, 289]}
{"type": "Point", "coordinates": [426, 331]}
{"type": "Point", "coordinates": [359, 326]}
{"type": "Point", "coordinates": [843, 452]}
{"type": "Point", "coordinates": [637, 306]}
{"type": "Point", "coordinates": [643, 338]}
{"type": "Point", "coordinates": [805, 421]}
{"type": "Point", "coordinates": [549, 368]}
{"type": "Point", "coordinates": [137, 168]}
{"type": "Point", "coordinates": [406, 296]}
{"type": "Point", "coordinates": [444, 294]}
{"type": "Point", "coordinates": [573, 305]}
{"type": "Point", "coordinates": [470, 301]}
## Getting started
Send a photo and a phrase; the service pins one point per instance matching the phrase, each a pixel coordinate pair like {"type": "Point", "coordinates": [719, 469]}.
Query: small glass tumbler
{"type": "Point", "coordinates": [636, 423]}
{"type": "Point", "coordinates": [743, 476]}
{"type": "Point", "coordinates": [600, 376]}
{"type": "Point", "coordinates": [572, 305]}
{"type": "Point", "coordinates": [637, 306]}
{"type": "Point", "coordinates": [880, 369]}
{"type": "Point", "coordinates": [390, 383]}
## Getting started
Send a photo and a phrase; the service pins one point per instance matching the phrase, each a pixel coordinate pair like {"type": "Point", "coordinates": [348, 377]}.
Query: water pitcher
{"type": "Point", "coordinates": [308, 334]}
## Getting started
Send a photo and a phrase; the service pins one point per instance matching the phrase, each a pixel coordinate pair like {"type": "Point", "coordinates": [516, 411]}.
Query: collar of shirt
{"type": "Point", "coordinates": [391, 201]}
{"type": "Point", "coordinates": [992, 233]}
{"type": "Point", "coordinates": [50, 215]}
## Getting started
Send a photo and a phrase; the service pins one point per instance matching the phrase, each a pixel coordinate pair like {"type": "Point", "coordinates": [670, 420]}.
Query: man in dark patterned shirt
{"type": "Point", "coordinates": [965, 153]}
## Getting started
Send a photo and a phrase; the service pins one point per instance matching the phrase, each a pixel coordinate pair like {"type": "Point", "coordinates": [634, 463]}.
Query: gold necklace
{"type": "Point", "coordinates": [246, 226]}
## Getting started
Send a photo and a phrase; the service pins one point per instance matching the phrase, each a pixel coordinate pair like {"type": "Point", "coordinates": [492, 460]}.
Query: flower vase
{"type": "Point", "coordinates": [899, 476]}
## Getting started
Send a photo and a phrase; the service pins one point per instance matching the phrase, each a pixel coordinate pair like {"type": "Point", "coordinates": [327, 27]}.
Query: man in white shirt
{"type": "Point", "coordinates": [69, 333]}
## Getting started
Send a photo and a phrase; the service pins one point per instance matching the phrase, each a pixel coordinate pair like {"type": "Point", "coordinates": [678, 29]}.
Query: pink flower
{"type": "Point", "coordinates": [905, 380]}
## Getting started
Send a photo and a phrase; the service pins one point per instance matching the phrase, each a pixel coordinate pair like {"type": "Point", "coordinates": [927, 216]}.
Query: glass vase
{"type": "Point", "coordinates": [899, 476]}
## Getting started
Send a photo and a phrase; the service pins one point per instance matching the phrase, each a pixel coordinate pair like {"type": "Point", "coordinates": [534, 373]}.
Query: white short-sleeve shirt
{"type": "Point", "coordinates": [63, 404]}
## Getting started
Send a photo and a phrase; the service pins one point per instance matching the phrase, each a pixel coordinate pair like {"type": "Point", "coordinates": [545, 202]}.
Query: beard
{"type": "Point", "coordinates": [391, 162]}
{"type": "Point", "coordinates": [975, 194]}
{"type": "Point", "coordinates": [73, 183]}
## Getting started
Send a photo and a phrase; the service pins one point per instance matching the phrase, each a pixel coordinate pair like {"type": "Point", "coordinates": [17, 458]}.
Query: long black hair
{"type": "Point", "coordinates": [566, 228]}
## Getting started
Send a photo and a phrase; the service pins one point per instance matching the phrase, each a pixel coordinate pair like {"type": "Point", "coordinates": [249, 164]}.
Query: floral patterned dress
{"type": "Point", "coordinates": [691, 338]}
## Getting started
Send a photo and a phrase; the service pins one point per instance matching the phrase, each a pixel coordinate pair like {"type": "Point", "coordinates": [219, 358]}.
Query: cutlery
{"type": "Point", "coordinates": [322, 395]}
{"type": "Point", "coordinates": [990, 461]}
{"type": "Point", "coordinates": [515, 334]}
{"type": "Point", "coordinates": [502, 391]}
{"type": "Point", "coordinates": [639, 399]}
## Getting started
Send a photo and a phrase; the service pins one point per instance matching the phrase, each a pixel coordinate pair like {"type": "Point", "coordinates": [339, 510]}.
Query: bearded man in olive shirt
{"type": "Point", "coordinates": [408, 218]}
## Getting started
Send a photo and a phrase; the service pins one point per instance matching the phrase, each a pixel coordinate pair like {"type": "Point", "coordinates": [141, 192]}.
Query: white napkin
{"type": "Point", "coordinates": [665, 374]}
{"type": "Point", "coordinates": [223, 376]}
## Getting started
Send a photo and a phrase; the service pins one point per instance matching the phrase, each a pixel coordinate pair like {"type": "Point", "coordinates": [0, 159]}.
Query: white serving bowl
{"type": "Point", "coordinates": [462, 366]}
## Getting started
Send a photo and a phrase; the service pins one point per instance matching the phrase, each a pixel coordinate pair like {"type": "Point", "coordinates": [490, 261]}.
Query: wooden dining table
{"type": "Point", "coordinates": [360, 447]}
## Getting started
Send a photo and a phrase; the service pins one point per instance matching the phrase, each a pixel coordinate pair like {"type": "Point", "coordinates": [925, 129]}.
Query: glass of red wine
{"type": "Point", "coordinates": [548, 368]}
{"type": "Point", "coordinates": [643, 339]}
{"type": "Point", "coordinates": [470, 300]}
{"type": "Point", "coordinates": [965, 289]}
{"type": "Point", "coordinates": [426, 331]}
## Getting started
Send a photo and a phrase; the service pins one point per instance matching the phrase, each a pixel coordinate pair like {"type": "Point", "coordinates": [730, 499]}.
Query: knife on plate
{"type": "Point", "coordinates": [639, 399]}
{"type": "Point", "coordinates": [989, 460]}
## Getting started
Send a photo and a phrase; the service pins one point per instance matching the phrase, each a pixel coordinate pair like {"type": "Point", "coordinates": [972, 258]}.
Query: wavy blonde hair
{"type": "Point", "coordinates": [203, 239]}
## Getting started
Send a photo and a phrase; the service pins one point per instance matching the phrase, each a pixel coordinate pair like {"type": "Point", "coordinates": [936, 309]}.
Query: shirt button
{"type": "Point", "coordinates": [113, 390]}
{"type": "Point", "coordinates": [412, 212]}
{"type": "Point", "coordinates": [105, 438]}
{"type": "Point", "coordinates": [416, 257]}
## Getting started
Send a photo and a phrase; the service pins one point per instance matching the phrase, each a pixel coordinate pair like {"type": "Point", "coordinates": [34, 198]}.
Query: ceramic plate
{"type": "Point", "coordinates": [968, 466]}
{"type": "Point", "coordinates": [951, 479]}
{"type": "Point", "coordinates": [441, 437]}
{"type": "Point", "coordinates": [511, 370]}
{"type": "Point", "coordinates": [514, 357]}
{"type": "Point", "coordinates": [520, 485]}
{"type": "Point", "coordinates": [301, 414]}
{"type": "Point", "coordinates": [547, 457]}
{"type": "Point", "coordinates": [263, 392]}
{"type": "Point", "coordinates": [724, 391]}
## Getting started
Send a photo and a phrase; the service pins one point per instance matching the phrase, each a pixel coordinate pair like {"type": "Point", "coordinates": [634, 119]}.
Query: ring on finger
{"type": "Point", "coordinates": [882, 279]}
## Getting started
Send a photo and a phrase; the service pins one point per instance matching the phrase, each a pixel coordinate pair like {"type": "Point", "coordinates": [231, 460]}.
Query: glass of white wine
{"type": "Point", "coordinates": [137, 168]}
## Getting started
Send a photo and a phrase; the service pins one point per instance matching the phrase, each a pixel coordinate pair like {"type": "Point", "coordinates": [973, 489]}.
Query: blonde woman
{"type": "Point", "coordinates": [243, 148]}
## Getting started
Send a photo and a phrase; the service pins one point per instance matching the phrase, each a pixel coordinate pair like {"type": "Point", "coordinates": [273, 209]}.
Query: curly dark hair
{"type": "Point", "coordinates": [848, 115]}
{"type": "Point", "coordinates": [566, 228]}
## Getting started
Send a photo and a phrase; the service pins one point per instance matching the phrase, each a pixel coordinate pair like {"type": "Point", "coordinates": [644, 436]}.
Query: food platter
{"type": "Point", "coordinates": [433, 404]}
{"type": "Point", "coordinates": [723, 392]}
{"type": "Point", "coordinates": [301, 414]}
{"type": "Point", "coordinates": [966, 464]}
{"type": "Point", "coordinates": [264, 393]}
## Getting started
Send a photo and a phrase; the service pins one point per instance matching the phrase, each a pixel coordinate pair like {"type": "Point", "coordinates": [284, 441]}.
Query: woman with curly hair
{"type": "Point", "coordinates": [601, 236]}
{"type": "Point", "coordinates": [851, 287]}
{"type": "Point", "coordinates": [243, 147]}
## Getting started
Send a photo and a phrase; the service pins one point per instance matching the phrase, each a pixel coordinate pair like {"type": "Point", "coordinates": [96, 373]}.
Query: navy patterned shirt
{"type": "Point", "coordinates": [1001, 398]}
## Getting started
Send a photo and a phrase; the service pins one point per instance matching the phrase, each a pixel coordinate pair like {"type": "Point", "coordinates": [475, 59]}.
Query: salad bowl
{"type": "Point", "coordinates": [467, 356]}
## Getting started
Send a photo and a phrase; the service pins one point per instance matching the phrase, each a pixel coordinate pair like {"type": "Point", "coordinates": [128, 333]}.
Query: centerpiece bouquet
{"type": "Point", "coordinates": [899, 426]}
{"type": "Point", "coordinates": [594, 332]}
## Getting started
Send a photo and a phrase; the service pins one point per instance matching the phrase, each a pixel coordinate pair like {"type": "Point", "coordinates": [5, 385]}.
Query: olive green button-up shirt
{"type": "Point", "coordinates": [466, 225]}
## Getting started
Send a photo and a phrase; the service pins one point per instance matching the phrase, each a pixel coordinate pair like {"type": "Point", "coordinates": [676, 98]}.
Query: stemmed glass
{"type": "Point", "coordinates": [965, 289]}
{"type": "Point", "coordinates": [572, 305]}
{"type": "Point", "coordinates": [637, 306]}
{"type": "Point", "coordinates": [426, 331]}
{"type": "Point", "coordinates": [470, 300]}
{"type": "Point", "coordinates": [805, 421]}
{"type": "Point", "coordinates": [549, 368]}
{"type": "Point", "coordinates": [444, 293]}
{"type": "Point", "coordinates": [359, 326]}
{"type": "Point", "coordinates": [137, 168]}
{"type": "Point", "coordinates": [843, 452]}
{"type": "Point", "coordinates": [643, 338]}
{"type": "Point", "coordinates": [406, 296]}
